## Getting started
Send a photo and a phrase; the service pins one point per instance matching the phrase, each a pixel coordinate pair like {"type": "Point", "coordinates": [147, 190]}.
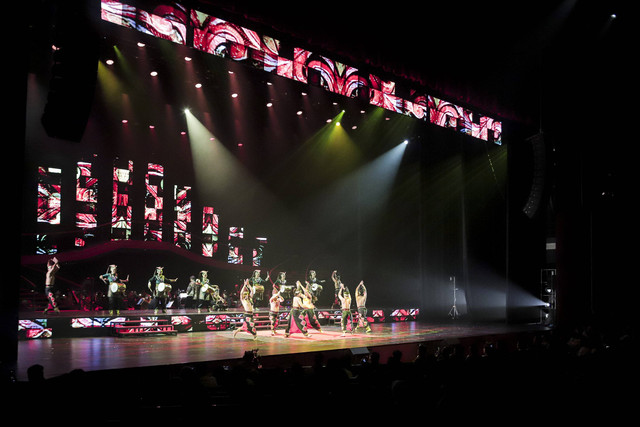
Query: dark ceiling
{"type": "Point", "coordinates": [511, 58]}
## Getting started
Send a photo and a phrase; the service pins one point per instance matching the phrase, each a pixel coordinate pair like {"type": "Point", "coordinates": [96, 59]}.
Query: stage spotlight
{"type": "Point", "coordinates": [140, 44]}
{"type": "Point", "coordinates": [187, 58]}
{"type": "Point", "coordinates": [234, 95]}
{"type": "Point", "coordinates": [299, 112]}
{"type": "Point", "coordinates": [109, 61]}
{"type": "Point", "coordinates": [269, 104]}
{"type": "Point", "coordinates": [125, 121]}
{"type": "Point", "coordinates": [406, 141]}
{"type": "Point", "coordinates": [153, 73]}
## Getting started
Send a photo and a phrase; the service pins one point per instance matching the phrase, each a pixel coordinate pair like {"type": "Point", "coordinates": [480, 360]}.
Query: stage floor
{"type": "Point", "coordinates": [62, 355]}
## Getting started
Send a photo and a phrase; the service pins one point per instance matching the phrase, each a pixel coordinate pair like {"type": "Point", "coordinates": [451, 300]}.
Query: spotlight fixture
{"type": "Point", "coordinates": [153, 73]}
{"type": "Point", "coordinates": [125, 121]}
{"type": "Point", "coordinates": [299, 112]}
{"type": "Point", "coordinates": [187, 58]}
{"type": "Point", "coordinates": [109, 61]}
{"type": "Point", "coordinates": [234, 95]}
{"type": "Point", "coordinates": [140, 44]}
{"type": "Point", "coordinates": [198, 85]}
{"type": "Point", "coordinates": [269, 104]}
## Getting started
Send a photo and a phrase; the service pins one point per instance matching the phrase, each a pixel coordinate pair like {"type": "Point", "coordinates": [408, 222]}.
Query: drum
{"type": "Point", "coordinates": [117, 287]}
{"type": "Point", "coordinates": [207, 289]}
{"type": "Point", "coordinates": [164, 287]}
{"type": "Point", "coordinates": [258, 292]}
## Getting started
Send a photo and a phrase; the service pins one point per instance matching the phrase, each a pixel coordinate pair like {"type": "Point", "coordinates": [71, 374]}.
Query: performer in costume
{"type": "Point", "coordinates": [337, 283]}
{"type": "Point", "coordinates": [53, 266]}
{"type": "Point", "coordinates": [361, 304]}
{"type": "Point", "coordinates": [280, 285]}
{"type": "Point", "coordinates": [345, 302]}
{"type": "Point", "coordinates": [314, 287]}
{"type": "Point", "coordinates": [257, 283]}
{"type": "Point", "coordinates": [274, 311]}
{"type": "Point", "coordinates": [160, 288]}
{"type": "Point", "coordinates": [246, 298]}
{"type": "Point", "coordinates": [308, 313]}
{"type": "Point", "coordinates": [193, 293]}
{"type": "Point", "coordinates": [295, 314]}
{"type": "Point", "coordinates": [116, 289]}
{"type": "Point", "coordinates": [205, 291]}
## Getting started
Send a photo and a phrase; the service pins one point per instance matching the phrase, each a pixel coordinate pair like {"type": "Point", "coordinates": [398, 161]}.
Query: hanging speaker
{"type": "Point", "coordinates": [74, 69]}
{"type": "Point", "coordinates": [539, 174]}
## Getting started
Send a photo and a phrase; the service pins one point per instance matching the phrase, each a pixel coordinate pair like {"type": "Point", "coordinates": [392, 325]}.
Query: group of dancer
{"type": "Point", "coordinates": [303, 311]}
{"type": "Point", "coordinates": [201, 293]}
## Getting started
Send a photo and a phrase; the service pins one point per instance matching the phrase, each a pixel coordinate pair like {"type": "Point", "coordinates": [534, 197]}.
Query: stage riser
{"type": "Point", "coordinates": [83, 325]}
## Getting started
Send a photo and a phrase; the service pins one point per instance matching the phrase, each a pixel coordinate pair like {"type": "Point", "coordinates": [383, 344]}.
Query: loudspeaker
{"type": "Point", "coordinates": [539, 175]}
{"type": "Point", "coordinates": [74, 69]}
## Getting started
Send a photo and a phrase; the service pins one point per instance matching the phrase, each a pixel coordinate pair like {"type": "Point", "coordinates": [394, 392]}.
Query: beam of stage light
{"type": "Point", "coordinates": [221, 179]}
{"type": "Point", "coordinates": [359, 196]}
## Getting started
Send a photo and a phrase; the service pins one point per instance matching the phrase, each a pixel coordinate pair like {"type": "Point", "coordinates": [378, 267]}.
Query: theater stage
{"type": "Point", "coordinates": [93, 349]}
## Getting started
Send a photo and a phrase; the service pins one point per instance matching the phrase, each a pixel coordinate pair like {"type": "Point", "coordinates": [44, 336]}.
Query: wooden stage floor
{"type": "Point", "coordinates": [62, 355]}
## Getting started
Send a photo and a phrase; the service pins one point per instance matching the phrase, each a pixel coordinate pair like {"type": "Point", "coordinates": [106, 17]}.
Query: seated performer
{"type": "Point", "coordinates": [274, 311]}
{"type": "Point", "coordinates": [246, 298]}
{"type": "Point", "coordinates": [49, 281]}
{"type": "Point", "coordinates": [160, 288]}
{"type": "Point", "coordinates": [116, 289]}
{"type": "Point", "coordinates": [295, 314]}
{"type": "Point", "coordinates": [345, 301]}
{"type": "Point", "coordinates": [308, 313]}
{"type": "Point", "coordinates": [361, 304]}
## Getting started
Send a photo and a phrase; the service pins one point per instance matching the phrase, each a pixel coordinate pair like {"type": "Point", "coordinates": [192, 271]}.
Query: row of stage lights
{"type": "Point", "coordinates": [199, 85]}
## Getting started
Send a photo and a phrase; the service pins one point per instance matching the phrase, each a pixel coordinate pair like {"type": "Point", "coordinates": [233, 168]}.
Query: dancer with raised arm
{"type": "Point", "coordinates": [53, 266]}
{"type": "Point", "coordinates": [345, 303]}
{"type": "Point", "coordinates": [361, 304]}
{"type": "Point", "coordinates": [337, 284]}
{"type": "Point", "coordinates": [308, 312]}
{"type": "Point", "coordinates": [295, 315]}
{"type": "Point", "coordinates": [274, 311]}
{"type": "Point", "coordinates": [246, 298]}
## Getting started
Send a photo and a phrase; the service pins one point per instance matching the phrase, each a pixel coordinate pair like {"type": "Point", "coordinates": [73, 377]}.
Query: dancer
{"type": "Point", "coordinates": [345, 301]}
{"type": "Point", "coordinates": [308, 313]}
{"type": "Point", "coordinates": [295, 314]}
{"type": "Point", "coordinates": [116, 288]}
{"type": "Point", "coordinates": [274, 311]}
{"type": "Point", "coordinates": [257, 283]}
{"type": "Point", "coordinates": [246, 298]}
{"type": "Point", "coordinates": [49, 284]}
{"type": "Point", "coordinates": [160, 288]}
{"type": "Point", "coordinates": [361, 304]}
{"type": "Point", "coordinates": [337, 283]}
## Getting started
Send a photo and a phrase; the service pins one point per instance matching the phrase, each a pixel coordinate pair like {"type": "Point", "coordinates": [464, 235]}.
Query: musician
{"type": "Point", "coordinates": [209, 294]}
{"type": "Point", "coordinates": [315, 288]}
{"type": "Point", "coordinates": [345, 304]}
{"type": "Point", "coordinates": [116, 288]}
{"type": "Point", "coordinates": [246, 298]}
{"type": "Point", "coordinates": [280, 286]}
{"type": "Point", "coordinates": [49, 284]}
{"type": "Point", "coordinates": [361, 304]}
{"type": "Point", "coordinates": [308, 312]}
{"type": "Point", "coordinates": [160, 288]}
{"type": "Point", "coordinates": [257, 283]}
{"type": "Point", "coordinates": [295, 314]}
{"type": "Point", "coordinates": [274, 311]}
